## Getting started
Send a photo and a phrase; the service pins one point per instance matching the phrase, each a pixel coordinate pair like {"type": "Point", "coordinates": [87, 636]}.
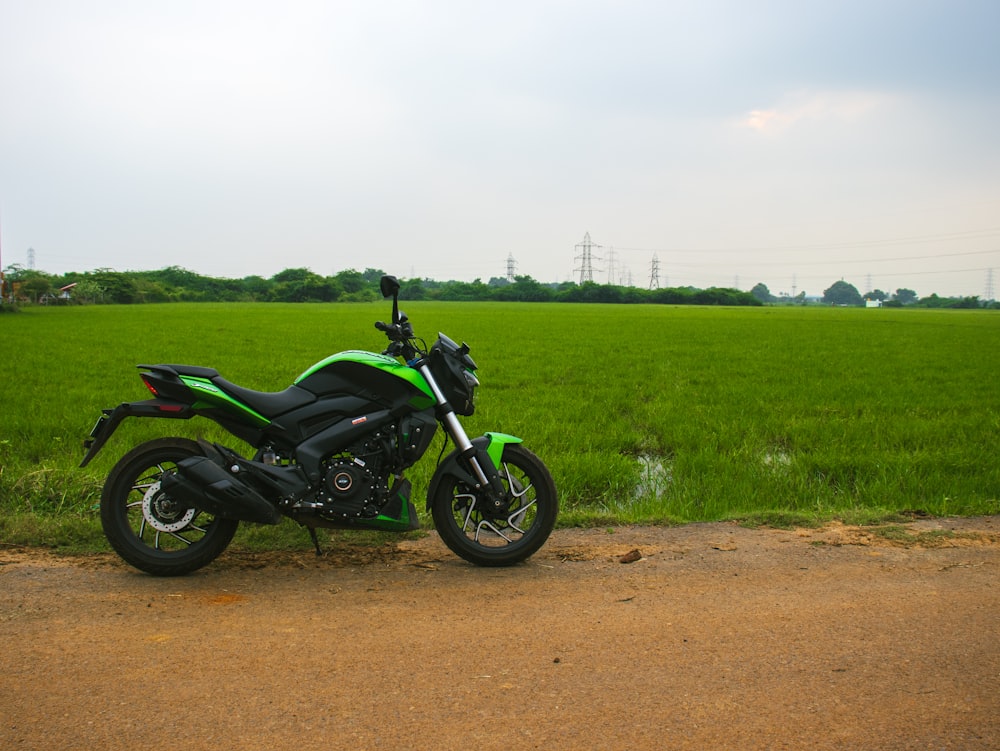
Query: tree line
{"type": "Point", "coordinates": [176, 284]}
{"type": "Point", "coordinates": [843, 293]}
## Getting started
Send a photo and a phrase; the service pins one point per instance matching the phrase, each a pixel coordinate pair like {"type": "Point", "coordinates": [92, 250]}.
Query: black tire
{"type": "Point", "coordinates": [146, 527]}
{"type": "Point", "coordinates": [512, 536]}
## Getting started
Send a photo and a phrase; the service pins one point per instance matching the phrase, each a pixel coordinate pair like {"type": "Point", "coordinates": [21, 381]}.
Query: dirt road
{"type": "Point", "coordinates": [717, 637]}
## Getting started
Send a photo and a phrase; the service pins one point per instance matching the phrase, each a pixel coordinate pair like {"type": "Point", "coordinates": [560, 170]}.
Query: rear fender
{"type": "Point", "coordinates": [110, 419]}
{"type": "Point", "coordinates": [488, 449]}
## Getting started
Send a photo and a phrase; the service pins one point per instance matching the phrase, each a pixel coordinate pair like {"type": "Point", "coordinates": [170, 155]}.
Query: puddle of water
{"type": "Point", "coordinates": [655, 476]}
{"type": "Point", "coordinates": [776, 459]}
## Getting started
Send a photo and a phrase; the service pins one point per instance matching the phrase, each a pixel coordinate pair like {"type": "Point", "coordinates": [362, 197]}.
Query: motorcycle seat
{"type": "Point", "coordinates": [267, 403]}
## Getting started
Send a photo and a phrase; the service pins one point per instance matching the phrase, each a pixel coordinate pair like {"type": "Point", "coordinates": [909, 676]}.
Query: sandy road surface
{"type": "Point", "coordinates": [718, 637]}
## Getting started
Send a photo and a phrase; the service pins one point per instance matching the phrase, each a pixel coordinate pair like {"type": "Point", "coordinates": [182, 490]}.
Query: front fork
{"type": "Point", "coordinates": [483, 464]}
{"type": "Point", "coordinates": [454, 428]}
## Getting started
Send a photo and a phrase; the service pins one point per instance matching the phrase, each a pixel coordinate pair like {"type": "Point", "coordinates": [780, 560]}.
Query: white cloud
{"type": "Point", "coordinates": [802, 108]}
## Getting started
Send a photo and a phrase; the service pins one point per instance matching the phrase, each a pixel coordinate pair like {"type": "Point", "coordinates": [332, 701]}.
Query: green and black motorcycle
{"type": "Point", "coordinates": [330, 451]}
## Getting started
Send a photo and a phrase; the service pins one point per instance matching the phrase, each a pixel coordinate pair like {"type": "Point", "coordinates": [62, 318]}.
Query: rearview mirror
{"type": "Point", "coordinates": [389, 286]}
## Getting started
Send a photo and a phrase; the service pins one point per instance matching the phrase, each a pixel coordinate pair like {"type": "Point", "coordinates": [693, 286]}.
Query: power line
{"type": "Point", "coordinates": [963, 235]}
{"type": "Point", "coordinates": [837, 261]}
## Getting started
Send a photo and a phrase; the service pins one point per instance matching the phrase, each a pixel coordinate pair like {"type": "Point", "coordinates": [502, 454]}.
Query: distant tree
{"type": "Point", "coordinates": [935, 301]}
{"type": "Point", "coordinates": [149, 290]}
{"type": "Point", "coordinates": [175, 276]}
{"type": "Point", "coordinates": [36, 285]}
{"type": "Point", "coordinates": [724, 296]}
{"type": "Point", "coordinates": [412, 289]}
{"type": "Point", "coordinates": [877, 294]}
{"type": "Point", "coordinates": [351, 281]}
{"type": "Point", "coordinates": [256, 288]}
{"type": "Point", "coordinates": [116, 287]}
{"type": "Point", "coordinates": [357, 286]}
{"type": "Point", "coordinates": [28, 283]}
{"type": "Point", "coordinates": [464, 291]}
{"type": "Point", "coordinates": [293, 275]}
{"type": "Point", "coordinates": [965, 302]}
{"type": "Point", "coordinates": [522, 289]}
{"type": "Point", "coordinates": [762, 293]}
{"type": "Point", "coordinates": [589, 292]}
{"type": "Point", "coordinates": [635, 295]}
{"type": "Point", "coordinates": [905, 296]}
{"type": "Point", "coordinates": [88, 291]}
{"type": "Point", "coordinates": [842, 293]}
{"type": "Point", "coordinates": [670, 296]}
{"type": "Point", "coordinates": [13, 272]}
{"type": "Point", "coordinates": [608, 293]}
{"type": "Point", "coordinates": [528, 290]}
{"type": "Point", "coordinates": [308, 287]}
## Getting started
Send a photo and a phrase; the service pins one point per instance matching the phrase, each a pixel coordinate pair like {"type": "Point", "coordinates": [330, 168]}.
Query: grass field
{"type": "Point", "coordinates": [647, 414]}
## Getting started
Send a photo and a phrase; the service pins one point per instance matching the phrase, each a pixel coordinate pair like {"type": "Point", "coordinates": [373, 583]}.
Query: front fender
{"type": "Point", "coordinates": [110, 419]}
{"type": "Point", "coordinates": [489, 448]}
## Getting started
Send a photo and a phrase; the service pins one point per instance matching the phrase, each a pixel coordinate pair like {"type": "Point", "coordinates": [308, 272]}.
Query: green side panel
{"type": "Point", "coordinates": [497, 442]}
{"type": "Point", "coordinates": [392, 525]}
{"type": "Point", "coordinates": [404, 523]}
{"type": "Point", "coordinates": [418, 402]}
{"type": "Point", "coordinates": [212, 396]}
{"type": "Point", "coordinates": [382, 362]}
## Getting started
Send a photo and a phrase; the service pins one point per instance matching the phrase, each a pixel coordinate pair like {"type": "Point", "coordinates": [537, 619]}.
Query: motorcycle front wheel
{"type": "Point", "coordinates": [148, 528]}
{"type": "Point", "coordinates": [472, 531]}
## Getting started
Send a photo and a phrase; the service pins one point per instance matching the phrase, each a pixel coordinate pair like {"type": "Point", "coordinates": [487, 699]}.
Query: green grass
{"type": "Point", "coordinates": [644, 414]}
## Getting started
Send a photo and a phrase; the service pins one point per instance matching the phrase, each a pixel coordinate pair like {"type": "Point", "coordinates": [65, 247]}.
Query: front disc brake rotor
{"type": "Point", "coordinates": [163, 513]}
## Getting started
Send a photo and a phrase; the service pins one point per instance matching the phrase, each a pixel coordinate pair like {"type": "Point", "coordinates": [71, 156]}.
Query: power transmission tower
{"type": "Point", "coordinates": [511, 267]}
{"type": "Point", "coordinates": [586, 258]}
{"type": "Point", "coordinates": [624, 275]}
{"type": "Point", "coordinates": [31, 258]}
{"type": "Point", "coordinates": [654, 273]}
{"type": "Point", "coordinates": [611, 265]}
{"type": "Point", "coordinates": [989, 286]}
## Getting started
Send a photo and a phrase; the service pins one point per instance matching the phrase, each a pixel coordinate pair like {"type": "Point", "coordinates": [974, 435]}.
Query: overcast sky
{"type": "Point", "coordinates": [789, 142]}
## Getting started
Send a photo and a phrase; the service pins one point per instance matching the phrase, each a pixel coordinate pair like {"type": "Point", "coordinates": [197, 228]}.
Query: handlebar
{"type": "Point", "coordinates": [400, 337]}
{"type": "Point", "coordinates": [397, 332]}
{"type": "Point", "coordinates": [400, 331]}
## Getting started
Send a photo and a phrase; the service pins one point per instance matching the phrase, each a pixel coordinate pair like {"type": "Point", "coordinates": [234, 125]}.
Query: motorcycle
{"type": "Point", "coordinates": [330, 452]}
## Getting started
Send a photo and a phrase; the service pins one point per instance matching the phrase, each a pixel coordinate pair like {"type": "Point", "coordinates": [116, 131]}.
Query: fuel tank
{"type": "Point", "coordinates": [374, 377]}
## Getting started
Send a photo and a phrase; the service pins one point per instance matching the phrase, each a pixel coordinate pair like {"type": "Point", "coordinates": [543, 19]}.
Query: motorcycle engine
{"type": "Point", "coordinates": [348, 487]}
{"type": "Point", "coordinates": [355, 485]}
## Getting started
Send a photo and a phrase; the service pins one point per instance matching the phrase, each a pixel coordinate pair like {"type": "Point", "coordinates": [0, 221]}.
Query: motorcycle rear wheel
{"type": "Point", "coordinates": [146, 527]}
{"type": "Point", "coordinates": [505, 539]}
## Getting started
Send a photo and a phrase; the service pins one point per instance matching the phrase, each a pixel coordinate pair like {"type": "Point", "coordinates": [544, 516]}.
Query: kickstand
{"type": "Point", "coordinates": [312, 534]}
